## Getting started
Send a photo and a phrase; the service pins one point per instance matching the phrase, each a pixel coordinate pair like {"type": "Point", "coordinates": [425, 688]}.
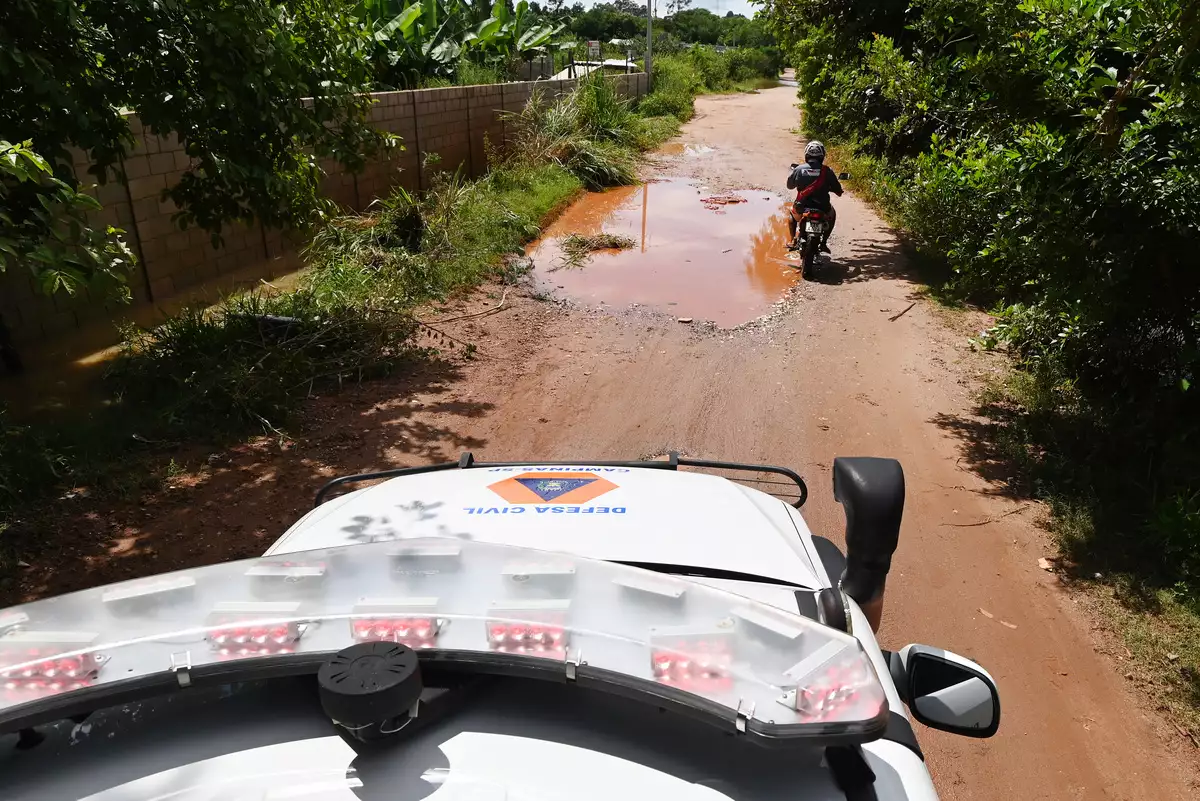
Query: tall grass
{"type": "Point", "coordinates": [590, 132]}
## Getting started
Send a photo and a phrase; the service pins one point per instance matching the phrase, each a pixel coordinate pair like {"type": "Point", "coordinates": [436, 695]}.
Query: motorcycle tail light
{"type": "Point", "coordinates": [533, 628]}
{"type": "Point", "coordinates": [253, 629]}
{"type": "Point", "coordinates": [409, 621]}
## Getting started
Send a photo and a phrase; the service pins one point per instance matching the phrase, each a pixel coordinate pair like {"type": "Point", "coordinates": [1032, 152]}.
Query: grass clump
{"type": "Point", "coordinates": [590, 132]}
{"type": "Point", "coordinates": [577, 248]}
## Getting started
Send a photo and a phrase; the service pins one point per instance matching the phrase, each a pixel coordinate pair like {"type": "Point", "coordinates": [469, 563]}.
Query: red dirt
{"type": "Point", "coordinates": [839, 370]}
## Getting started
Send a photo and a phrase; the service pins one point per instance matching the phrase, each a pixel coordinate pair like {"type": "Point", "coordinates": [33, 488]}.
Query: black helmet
{"type": "Point", "coordinates": [814, 151]}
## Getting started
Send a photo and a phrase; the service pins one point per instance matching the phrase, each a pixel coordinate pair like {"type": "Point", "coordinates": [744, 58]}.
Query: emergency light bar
{"type": "Point", "coordinates": [726, 659]}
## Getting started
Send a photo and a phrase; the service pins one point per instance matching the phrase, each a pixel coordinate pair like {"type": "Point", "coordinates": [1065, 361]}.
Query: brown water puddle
{"type": "Point", "coordinates": [725, 263]}
{"type": "Point", "coordinates": [683, 149]}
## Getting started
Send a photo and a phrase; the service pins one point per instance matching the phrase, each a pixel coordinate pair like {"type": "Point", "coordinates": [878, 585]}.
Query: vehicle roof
{"type": "Point", "coordinates": [625, 514]}
{"type": "Point", "coordinates": [515, 739]}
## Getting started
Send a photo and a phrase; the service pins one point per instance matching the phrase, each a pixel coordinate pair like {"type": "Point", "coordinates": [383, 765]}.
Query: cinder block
{"type": "Point", "coordinates": [183, 161]}
{"type": "Point", "coordinates": [162, 163]}
{"type": "Point", "coordinates": [155, 228]}
{"type": "Point", "coordinates": [191, 257]}
{"type": "Point", "coordinates": [145, 209]}
{"type": "Point", "coordinates": [178, 242]}
{"type": "Point", "coordinates": [153, 249]}
{"type": "Point", "coordinates": [111, 192]}
{"type": "Point", "coordinates": [149, 186]}
{"type": "Point", "coordinates": [137, 167]}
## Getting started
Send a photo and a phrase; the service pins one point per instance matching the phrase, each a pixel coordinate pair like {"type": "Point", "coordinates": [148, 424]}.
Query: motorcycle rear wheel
{"type": "Point", "coordinates": [809, 255]}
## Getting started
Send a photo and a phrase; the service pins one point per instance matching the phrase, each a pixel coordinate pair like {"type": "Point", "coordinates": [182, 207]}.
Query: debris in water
{"type": "Point", "coordinates": [576, 248]}
{"type": "Point", "coordinates": [715, 202]}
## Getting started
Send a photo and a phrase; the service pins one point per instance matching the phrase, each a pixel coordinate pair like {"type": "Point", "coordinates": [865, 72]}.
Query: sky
{"type": "Point", "coordinates": [715, 6]}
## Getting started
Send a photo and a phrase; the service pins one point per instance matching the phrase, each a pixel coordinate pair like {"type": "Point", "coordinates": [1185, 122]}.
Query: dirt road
{"type": "Point", "coordinates": [848, 366]}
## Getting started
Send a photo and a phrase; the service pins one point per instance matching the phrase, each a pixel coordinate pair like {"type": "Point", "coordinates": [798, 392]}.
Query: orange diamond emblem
{"type": "Point", "coordinates": [538, 487]}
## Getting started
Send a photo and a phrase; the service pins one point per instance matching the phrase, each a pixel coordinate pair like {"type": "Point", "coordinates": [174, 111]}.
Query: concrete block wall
{"type": "Point", "coordinates": [453, 122]}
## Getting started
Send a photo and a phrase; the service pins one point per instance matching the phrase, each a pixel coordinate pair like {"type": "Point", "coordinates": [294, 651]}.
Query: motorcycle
{"type": "Point", "coordinates": [811, 227]}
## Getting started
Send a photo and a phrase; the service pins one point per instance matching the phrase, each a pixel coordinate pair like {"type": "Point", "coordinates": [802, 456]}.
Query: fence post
{"type": "Point", "coordinates": [412, 96]}
{"type": "Point", "coordinates": [470, 134]}
{"type": "Point", "coordinates": [137, 237]}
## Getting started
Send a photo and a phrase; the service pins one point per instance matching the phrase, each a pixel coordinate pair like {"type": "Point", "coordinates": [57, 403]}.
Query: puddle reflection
{"type": "Point", "coordinates": [726, 264]}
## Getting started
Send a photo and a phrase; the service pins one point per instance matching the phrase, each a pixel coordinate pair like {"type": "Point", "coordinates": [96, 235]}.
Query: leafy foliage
{"type": "Point", "coordinates": [1049, 153]}
{"type": "Point", "coordinates": [416, 41]}
{"type": "Point", "coordinates": [227, 78]}
{"type": "Point", "coordinates": [43, 223]}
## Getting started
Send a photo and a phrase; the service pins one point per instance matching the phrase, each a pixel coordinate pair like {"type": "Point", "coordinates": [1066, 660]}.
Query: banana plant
{"type": "Point", "coordinates": [423, 40]}
{"type": "Point", "coordinates": [506, 34]}
{"type": "Point", "coordinates": [415, 39]}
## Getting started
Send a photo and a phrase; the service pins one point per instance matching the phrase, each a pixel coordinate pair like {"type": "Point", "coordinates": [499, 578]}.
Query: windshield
{"type": "Point", "coordinates": [735, 662]}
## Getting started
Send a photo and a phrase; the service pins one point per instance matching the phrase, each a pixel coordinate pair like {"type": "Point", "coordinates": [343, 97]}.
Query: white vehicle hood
{"type": "Point", "coordinates": [614, 513]}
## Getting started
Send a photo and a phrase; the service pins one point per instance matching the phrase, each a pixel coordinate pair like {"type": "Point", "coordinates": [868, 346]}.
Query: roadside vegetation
{"type": "Point", "coordinates": [1044, 158]}
{"type": "Point", "coordinates": [228, 83]}
{"type": "Point", "coordinates": [680, 76]}
{"type": "Point", "coordinates": [242, 367]}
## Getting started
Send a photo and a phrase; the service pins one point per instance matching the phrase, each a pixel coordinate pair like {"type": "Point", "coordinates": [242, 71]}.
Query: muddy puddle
{"type": "Point", "coordinates": [719, 261]}
{"type": "Point", "coordinates": [685, 149]}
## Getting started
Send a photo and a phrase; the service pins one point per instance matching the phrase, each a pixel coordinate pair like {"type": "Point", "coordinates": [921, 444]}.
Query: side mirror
{"type": "Point", "coordinates": [871, 490]}
{"type": "Point", "coordinates": [843, 176]}
{"type": "Point", "coordinates": [948, 692]}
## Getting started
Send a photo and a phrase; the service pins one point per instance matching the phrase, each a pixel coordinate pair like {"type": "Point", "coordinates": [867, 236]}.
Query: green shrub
{"type": "Point", "coordinates": [676, 84]}
{"type": "Point", "coordinates": [1048, 154]}
{"type": "Point", "coordinates": [654, 130]}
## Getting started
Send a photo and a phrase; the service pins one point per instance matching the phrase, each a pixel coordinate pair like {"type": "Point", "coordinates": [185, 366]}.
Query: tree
{"type": "Point", "coordinates": [257, 91]}
{"type": "Point", "coordinates": [632, 7]}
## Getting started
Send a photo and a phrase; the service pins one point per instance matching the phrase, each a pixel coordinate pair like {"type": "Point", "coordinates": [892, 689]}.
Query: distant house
{"type": "Point", "coordinates": [581, 68]}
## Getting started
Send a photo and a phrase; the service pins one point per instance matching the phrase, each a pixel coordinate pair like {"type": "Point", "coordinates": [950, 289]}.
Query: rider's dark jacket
{"type": "Point", "coordinates": [804, 175]}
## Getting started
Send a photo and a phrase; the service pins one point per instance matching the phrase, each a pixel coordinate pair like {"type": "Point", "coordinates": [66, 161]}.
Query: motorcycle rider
{"type": "Point", "coordinates": [813, 182]}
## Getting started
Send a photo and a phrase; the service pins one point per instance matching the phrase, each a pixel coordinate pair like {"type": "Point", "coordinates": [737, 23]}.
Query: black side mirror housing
{"type": "Point", "coordinates": [871, 491]}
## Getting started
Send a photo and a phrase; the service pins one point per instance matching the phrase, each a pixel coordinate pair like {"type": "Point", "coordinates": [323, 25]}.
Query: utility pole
{"type": "Point", "coordinates": [649, 42]}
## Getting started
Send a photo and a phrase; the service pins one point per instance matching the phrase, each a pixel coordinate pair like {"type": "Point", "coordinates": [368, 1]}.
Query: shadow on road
{"type": "Point", "coordinates": [234, 504]}
{"type": "Point", "coordinates": [865, 261]}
